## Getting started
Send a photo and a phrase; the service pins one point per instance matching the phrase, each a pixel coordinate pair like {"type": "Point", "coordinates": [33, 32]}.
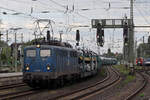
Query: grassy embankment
{"type": "Point", "coordinates": [125, 72]}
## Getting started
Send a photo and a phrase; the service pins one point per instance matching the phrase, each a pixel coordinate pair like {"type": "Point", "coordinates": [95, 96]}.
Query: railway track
{"type": "Point", "coordinates": [2, 87]}
{"type": "Point", "coordinates": [18, 76]}
{"type": "Point", "coordinates": [10, 80]}
{"type": "Point", "coordinates": [112, 77]}
{"type": "Point", "coordinates": [20, 90]}
{"type": "Point", "coordinates": [14, 95]}
{"type": "Point", "coordinates": [77, 94]}
{"type": "Point", "coordinates": [144, 83]}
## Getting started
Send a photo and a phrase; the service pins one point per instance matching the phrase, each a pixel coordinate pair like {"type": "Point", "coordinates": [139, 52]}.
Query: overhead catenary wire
{"type": "Point", "coordinates": [67, 8]}
{"type": "Point", "coordinates": [50, 7]}
{"type": "Point", "coordinates": [17, 12]}
{"type": "Point", "coordinates": [20, 1]}
{"type": "Point", "coordinates": [140, 12]}
{"type": "Point", "coordinates": [146, 11]}
{"type": "Point", "coordinates": [45, 5]}
{"type": "Point", "coordinates": [57, 3]}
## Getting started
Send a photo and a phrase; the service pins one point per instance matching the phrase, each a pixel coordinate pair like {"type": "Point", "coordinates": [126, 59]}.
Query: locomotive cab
{"type": "Point", "coordinates": [37, 60]}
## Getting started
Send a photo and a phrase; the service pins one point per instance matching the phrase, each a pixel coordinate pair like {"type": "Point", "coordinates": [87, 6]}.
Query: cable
{"type": "Point", "coordinates": [23, 2]}
{"type": "Point", "coordinates": [51, 6]}
{"type": "Point", "coordinates": [82, 16]}
{"type": "Point", "coordinates": [58, 4]}
{"type": "Point", "coordinates": [142, 15]}
{"type": "Point", "coordinates": [68, 9]}
{"type": "Point", "coordinates": [146, 35]}
{"type": "Point", "coordinates": [144, 9]}
{"type": "Point", "coordinates": [18, 12]}
{"type": "Point", "coordinates": [41, 3]}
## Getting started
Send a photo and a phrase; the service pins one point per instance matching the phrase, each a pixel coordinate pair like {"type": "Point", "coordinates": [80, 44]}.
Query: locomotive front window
{"type": "Point", "coordinates": [45, 53]}
{"type": "Point", "coordinates": [31, 53]}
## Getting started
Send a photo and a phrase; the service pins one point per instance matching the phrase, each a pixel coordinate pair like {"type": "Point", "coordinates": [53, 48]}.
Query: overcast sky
{"type": "Point", "coordinates": [68, 13]}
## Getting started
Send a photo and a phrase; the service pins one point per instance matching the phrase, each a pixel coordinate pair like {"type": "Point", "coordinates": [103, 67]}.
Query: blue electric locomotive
{"type": "Point", "coordinates": [46, 63]}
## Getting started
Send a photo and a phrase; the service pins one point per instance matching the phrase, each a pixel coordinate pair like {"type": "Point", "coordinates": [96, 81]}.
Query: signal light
{"type": "Point", "coordinates": [102, 42]}
{"type": "Point", "coordinates": [18, 55]}
{"type": "Point", "coordinates": [126, 41]}
{"type": "Point", "coordinates": [125, 33]}
{"type": "Point", "coordinates": [125, 30]}
{"type": "Point", "coordinates": [100, 35]}
{"type": "Point", "coordinates": [149, 40]}
{"type": "Point", "coordinates": [77, 37]}
{"type": "Point", "coordinates": [48, 35]}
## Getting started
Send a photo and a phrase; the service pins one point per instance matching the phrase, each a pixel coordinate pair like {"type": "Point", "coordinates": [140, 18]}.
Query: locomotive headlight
{"type": "Point", "coordinates": [48, 67]}
{"type": "Point", "coordinates": [38, 46]}
{"type": "Point", "coordinates": [27, 67]}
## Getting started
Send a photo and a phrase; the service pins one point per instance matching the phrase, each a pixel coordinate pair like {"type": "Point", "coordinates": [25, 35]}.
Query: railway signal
{"type": "Point", "coordinates": [100, 35]}
{"type": "Point", "coordinates": [12, 48]}
{"type": "Point", "coordinates": [148, 40]}
{"type": "Point", "coordinates": [48, 35]}
{"type": "Point", "coordinates": [126, 41]}
{"type": "Point", "coordinates": [18, 55]}
{"type": "Point", "coordinates": [77, 37]}
{"type": "Point", "coordinates": [125, 33]}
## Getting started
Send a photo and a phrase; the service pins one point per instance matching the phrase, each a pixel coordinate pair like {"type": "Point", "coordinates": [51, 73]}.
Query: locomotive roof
{"type": "Point", "coordinates": [49, 46]}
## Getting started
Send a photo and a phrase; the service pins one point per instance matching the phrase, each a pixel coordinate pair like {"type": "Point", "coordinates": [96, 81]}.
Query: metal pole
{"type": "Point", "coordinates": [98, 50]}
{"type": "Point", "coordinates": [15, 52]}
{"type": "Point", "coordinates": [131, 37]}
{"type": "Point", "coordinates": [7, 36]}
{"type": "Point", "coordinates": [124, 54]}
{"type": "Point", "coordinates": [125, 47]}
{"type": "Point", "coordinates": [0, 35]}
{"type": "Point", "coordinates": [135, 50]}
{"type": "Point", "coordinates": [21, 37]}
{"type": "Point", "coordinates": [61, 32]}
{"type": "Point", "coordinates": [7, 56]}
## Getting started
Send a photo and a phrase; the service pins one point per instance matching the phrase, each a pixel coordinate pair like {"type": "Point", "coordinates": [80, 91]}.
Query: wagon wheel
{"type": "Point", "coordinates": [61, 82]}
{"type": "Point", "coordinates": [55, 83]}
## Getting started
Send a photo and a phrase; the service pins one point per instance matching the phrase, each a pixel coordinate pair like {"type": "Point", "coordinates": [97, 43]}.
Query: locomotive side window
{"type": "Point", "coordinates": [45, 53]}
{"type": "Point", "coordinates": [31, 53]}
